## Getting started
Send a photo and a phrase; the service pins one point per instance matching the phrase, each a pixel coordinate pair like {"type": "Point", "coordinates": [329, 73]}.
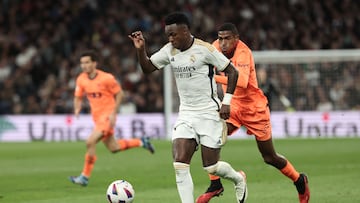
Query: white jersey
{"type": "Point", "coordinates": [194, 74]}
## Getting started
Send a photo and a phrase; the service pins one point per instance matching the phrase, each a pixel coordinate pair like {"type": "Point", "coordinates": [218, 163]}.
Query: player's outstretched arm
{"type": "Point", "coordinates": [139, 43]}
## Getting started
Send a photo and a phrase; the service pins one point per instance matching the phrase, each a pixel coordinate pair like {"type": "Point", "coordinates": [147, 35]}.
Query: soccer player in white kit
{"type": "Point", "coordinates": [201, 114]}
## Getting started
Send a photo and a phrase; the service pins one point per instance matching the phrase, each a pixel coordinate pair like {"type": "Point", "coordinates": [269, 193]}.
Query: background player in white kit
{"type": "Point", "coordinates": [200, 112]}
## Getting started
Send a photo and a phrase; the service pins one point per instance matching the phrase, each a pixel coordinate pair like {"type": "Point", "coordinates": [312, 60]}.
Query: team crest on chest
{"type": "Point", "coordinates": [192, 58]}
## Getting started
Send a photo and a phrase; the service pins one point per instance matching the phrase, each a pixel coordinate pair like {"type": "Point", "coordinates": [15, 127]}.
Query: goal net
{"type": "Point", "coordinates": [313, 80]}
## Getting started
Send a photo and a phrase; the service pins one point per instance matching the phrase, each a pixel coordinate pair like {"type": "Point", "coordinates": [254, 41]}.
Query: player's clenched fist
{"type": "Point", "coordinates": [138, 39]}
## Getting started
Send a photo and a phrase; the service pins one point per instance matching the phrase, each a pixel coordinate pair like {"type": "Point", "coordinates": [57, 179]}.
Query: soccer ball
{"type": "Point", "coordinates": [120, 191]}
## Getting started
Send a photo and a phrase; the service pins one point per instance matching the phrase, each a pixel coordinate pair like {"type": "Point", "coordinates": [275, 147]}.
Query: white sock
{"type": "Point", "coordinates": [224, 170]}
{"type": "Point", "coordinates": [184, 182]}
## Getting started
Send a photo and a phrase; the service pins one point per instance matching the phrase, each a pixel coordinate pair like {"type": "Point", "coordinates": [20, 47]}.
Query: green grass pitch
{"type": "Point", "coordinates": [38, 172]}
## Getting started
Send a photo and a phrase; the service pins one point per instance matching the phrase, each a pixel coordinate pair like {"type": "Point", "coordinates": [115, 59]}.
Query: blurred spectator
{"type": "Point", "coordinates": [337, 93]}
{"type": "Point", "coordinates": [271, 90]}
{"type": "Point", "coordinates": [7, 97]}
{"type": "Point", "coordinates": [40, 42]}
{"type": "Point", "coordinates": [324, 103]}
{"type": "Point", "coordinates": [5, 69]}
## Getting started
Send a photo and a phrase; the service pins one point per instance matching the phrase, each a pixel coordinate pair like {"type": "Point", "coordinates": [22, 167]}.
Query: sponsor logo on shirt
{"type": "Point", "coordinates": [184, 71]}
{"type": "Point", "coordinates": [241, 65]}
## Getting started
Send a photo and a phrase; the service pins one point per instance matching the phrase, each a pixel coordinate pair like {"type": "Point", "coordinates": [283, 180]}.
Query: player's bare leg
{"type": "Point", "coordinates": [212, 165]}
{"type": "Point", "coordinates": [270, 157]}
{"type": "Point", "coordinates": [216, 188]}
{"type": "Point", "coordinates": [183, 150]}
{"type": "Point", "coordinates": [124, 144]}
{"type": "Point", "coordinates": [90, 159]}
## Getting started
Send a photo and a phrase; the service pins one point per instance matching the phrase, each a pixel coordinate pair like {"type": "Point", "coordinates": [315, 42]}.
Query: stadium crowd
{"type": "Point", "coordinates": [40, 42]}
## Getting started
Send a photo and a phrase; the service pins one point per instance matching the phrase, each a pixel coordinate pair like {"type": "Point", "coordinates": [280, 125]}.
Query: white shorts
{"type": "Point", "coordinates": [208, 131]}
